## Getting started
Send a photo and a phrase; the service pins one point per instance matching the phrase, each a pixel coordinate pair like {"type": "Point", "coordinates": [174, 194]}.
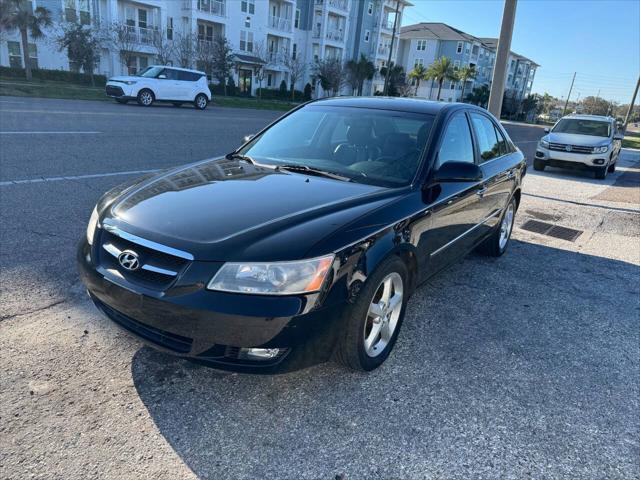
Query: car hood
{"type": "Point", "coordinates": [222, 210]}
{"type": "Point", "coordinates": [125, 78]}
{"type": "Point", "coordinates": [575, 139]}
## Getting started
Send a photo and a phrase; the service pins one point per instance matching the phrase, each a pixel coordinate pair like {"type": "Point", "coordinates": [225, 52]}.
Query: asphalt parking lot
{"type": "Point", "coordinates": [524, 366]}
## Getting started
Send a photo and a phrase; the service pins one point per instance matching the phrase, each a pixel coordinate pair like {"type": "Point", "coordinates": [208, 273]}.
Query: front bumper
{"type": "Point", "coordinates": [556, 158]}
{"type": "Point", "coordinates": [119, 90]}
{"type": "Point", "coordinates": [210, 327]}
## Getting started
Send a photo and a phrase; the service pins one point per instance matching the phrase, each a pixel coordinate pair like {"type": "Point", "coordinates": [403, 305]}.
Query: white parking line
{"type": "Point", "coordinates": [47, 133]}
{"type": "Point", "coordinates": [75, 177]}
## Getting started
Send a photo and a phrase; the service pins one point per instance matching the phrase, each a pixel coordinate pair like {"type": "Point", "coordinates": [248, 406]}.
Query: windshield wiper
{"type": "Point", "coordinates": [313, 171]}
{"type": "Point", "coordinates": [239, 156]}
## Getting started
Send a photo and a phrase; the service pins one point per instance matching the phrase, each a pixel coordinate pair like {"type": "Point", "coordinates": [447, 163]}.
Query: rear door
{"type": "Point", "coordinates": [188, 82]}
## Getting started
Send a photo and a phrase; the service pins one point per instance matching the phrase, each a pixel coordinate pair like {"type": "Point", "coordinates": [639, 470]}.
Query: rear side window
{"type": "Point", "coordinates": [503, 145]}
{"type": "Point", "coordinates": [486, 134]}
{"type": "Point", "coordinates": [456, 143]}
{"type": "Point", "coordinates": [188, 76]}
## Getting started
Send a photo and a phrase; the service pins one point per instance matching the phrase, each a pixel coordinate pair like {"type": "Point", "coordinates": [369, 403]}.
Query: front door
{"type": "Point", "coordinates": [245, 77]}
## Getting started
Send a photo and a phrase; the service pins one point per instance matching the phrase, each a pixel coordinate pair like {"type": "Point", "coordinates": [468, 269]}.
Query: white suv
{"type": "Point", "coordinates": [162, 84]}
{"type": "Point", "coordinates": [587, 142]}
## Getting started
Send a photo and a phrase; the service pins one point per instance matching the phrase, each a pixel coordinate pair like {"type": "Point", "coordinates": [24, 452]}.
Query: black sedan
{"type": "Point", "coordinates": [306, 242]}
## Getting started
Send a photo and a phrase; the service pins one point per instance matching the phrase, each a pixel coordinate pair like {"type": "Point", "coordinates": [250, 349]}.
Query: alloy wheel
{"type": "Point", "coordinates": [506, 226]}
{"type": "Point", "coordinates": [146, 98]}
{"type": "Point", "coordinates": [383, 314]}
{"type": "Point", "coordinates": [201, 101]}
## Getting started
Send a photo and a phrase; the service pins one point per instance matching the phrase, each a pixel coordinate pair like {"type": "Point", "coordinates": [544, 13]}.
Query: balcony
{"type": "Point", "coordinates": [280, 23]}
{"type": "Point", "coordinates": [335, 35]}
{"type": "Point", "coordinates": [214, 7]}
{"type": "Point", "coordinates": [316, 32]}
{"type": "Point", "coordinates": [141, 35]}
{"type": "Point", "coordinates": [387, 24]}
{"type": "Point", "coordinates": [383, 50]}
{"type": "Point", "coordinates": [339, 4]}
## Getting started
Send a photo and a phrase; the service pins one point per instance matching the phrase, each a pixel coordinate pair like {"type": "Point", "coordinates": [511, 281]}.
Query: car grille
{"type": "Point", "coordinates": [169, 340]}
{"type": "Point", "coordinates": [114, 91]}
{"type": "Point", "coordinates": [562, 147]}
{"type": "Point", "coordinates": [158, 270]}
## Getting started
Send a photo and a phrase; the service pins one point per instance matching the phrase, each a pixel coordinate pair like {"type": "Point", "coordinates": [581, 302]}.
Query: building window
{"type": "Point", "coordinates": [316, 52]}
{"type": "Point", "coordinates": [70, 11]}
{"type": "Point", "coordinates": [246, 41]}
{"type": "Point", "coordinates": [247, 22]}
{"type": "Point", "coordinates": [294, 51]}
{"type": "Point", "coordinates": [296, 21]}
{"type": "Point", "coordinates": [15, 54]}
{"type": "Point", "coordinates": [269, 79]}
{"type": "Point", "coordinates": [419, 61]}
{"type": "Point", "coordinates": [467, 47]}
{"type": "Point", "coordinates": [459, 48]}
{"type": "Point", "coordinates": [456, 64]}
{"type": "Point", "coordinates": [248, 6]}
{"type": "Point", "coordinates": [367, 35]}
{"type": "Point", "coordinates": [370, 8]}
{"type": "Point", "coordinates": [169, 28]}
{"type": "Point", "coordinates": [142, 18]}
{"type": "Point", "coordinates": [452, 86]}
{"type": "Point", "coordinates": [421, 45]}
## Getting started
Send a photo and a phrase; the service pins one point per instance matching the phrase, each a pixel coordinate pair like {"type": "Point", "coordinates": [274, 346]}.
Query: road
{"type": "Point", "coordinates": [522, 366]}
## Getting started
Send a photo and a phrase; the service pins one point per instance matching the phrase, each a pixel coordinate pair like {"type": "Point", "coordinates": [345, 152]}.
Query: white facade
{"type": "Point", "coordinates": [273, 30]}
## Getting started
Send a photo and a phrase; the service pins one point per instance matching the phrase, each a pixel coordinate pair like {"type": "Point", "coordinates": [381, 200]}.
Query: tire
{"type": "Point", "coordinates": [601, 173]}
{"type": "Point", "coordinates": [145, 97]}
{"type": "Point", "coordinates": [539, 165]}
{"type": "Point", "coordinates": [201, 101]}
{"type": "Point", "coordinates": [390, 279]}
{"type": "Point", "coordinates": [612, 168]}
{"type": "Point", "coordinates": [498, 241]}
{"type": "Point", "coordinates": [177, 104]}
{"type": "Point", "coordinates": [122, 101]}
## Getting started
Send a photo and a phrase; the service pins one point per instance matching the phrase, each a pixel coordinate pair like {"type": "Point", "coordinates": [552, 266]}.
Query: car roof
{"type": "Point", "coordinates": [402, 104]}
{"type": "Point", "coordinates": [601, 118]}
{"type": "Point", "coordinates": [179, 68]}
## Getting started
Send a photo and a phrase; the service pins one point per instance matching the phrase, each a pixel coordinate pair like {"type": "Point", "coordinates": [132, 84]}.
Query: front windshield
{"type": "Point", "coordinates": [151, 72]}
{"type": "Point", "coordinates": [378, 147]}
{"type": "Point", "coordinates": [578, 126]}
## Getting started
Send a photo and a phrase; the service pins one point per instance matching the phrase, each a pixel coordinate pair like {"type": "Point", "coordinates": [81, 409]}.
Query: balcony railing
{"type": "Point", "coordinates": [335, 35]}
{"type": "Point", "coordinates": [387, 24]}
{"type": "Point", "coordinates": [141, 35]}
{"type": "Point", "coordinates": [280, 23]}
{"type": "Point", "coordinates": [383, 50]}
{"type": "Point", "coordinates": [339, 4]}
{"type": "Point", "coordinates": [214, 7]}
{"type": "Point", "coordinates": [316, 32]}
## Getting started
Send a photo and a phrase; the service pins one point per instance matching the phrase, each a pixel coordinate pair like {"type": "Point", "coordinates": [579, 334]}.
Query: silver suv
{"type": "Point", "coordinates": [587, 142]}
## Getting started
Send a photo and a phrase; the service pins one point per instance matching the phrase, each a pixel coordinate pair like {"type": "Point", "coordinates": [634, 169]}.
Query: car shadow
{"type": "Point", "coordinates": [503, 366]}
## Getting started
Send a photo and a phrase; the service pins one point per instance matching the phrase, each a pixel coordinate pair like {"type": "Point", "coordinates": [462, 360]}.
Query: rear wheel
{"type": "Point", "coordinates": [201, 101]}
{"type": "Point", "coordinates": [497, 243]}
{"type": "Point", "coordinates": [539, 164]}
{"type": "Point", "coordinates": [145, 98]}
{"type": "Point", "coordinates": [372, 323]}
{"type": "Point", "coordinates": [601, 173]}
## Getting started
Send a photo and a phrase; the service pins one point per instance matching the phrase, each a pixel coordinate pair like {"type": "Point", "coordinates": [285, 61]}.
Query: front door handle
{"type": "Point", "coordinates": [511, 174]}
{"type": "Point", "coordinates": [481, 192]}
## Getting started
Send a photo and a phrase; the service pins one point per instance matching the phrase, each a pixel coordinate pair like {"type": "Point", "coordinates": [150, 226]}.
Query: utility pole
{"type": "Point", "coordinates": [633, 100]}
{"type": "Point", "coordinates": [566, 104]}
{"type": "Point", "coordinates": [393, 36]}
{"type": "Point", "coordinates": [502, 55]}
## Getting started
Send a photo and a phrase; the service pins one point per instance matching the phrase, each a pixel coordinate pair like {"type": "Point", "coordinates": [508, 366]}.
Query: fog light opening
{"type": "Point", "coordinates": [258, 353]}
{"type": "Point", "coordinates": [539, 154]}
{"type": "Point", "coordinates": [599, 161]}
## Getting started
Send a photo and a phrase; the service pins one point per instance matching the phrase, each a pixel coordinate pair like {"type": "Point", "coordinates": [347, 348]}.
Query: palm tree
{"type": "Point", "coordinates": [464, 75]}
{"type": "Point", "coordinates": [18, 15]}
{"type": "Point", "coordinates": [358, 72]}
{"type": "Point", "coordinates": [441, 70]}
{"type": "Point", "coordinates": [418, 73]}
{"type": "Point", "coordinates": [396, 78]}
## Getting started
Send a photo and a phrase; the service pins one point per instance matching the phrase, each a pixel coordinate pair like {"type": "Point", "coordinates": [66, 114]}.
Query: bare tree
{"type": "Point", "coordinates": [165, 47]}
{"type": "Point", "coordinates": [124, 40]}
{"type": "Point", "coordinates": [205, 56]}
{"type": "Point", "coordinates": [331, 73]}
{"type": "Point", "coordinates": [260, 69]}
{"type": "Point", "coordinates": [185, 49]}
{"type": "Point", "coordinates": [222, 60]}
{"type": "Point", "coordinates": [296, 68]}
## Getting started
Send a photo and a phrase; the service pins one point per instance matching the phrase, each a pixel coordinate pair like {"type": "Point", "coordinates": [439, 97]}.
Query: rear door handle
{"type": "Point", "coordinates": [481, 192]}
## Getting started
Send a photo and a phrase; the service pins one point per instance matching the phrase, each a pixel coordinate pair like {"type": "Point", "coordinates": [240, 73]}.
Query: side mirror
{"type": "Point", "coordinates": [546, 130]}
{"type": "Point", "coordinates": [457, 172]}
{"type": "Point", "coordinates": [246, 138]}
{"type": "Point", "coordinates": [162, 77]}
{"type": "Point", "coordinates": [618, 136]}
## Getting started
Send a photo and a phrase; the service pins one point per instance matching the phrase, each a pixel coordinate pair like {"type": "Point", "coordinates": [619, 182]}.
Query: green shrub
{"type": "Point", "coordinates": [278, 94]}
{"type": "Point", "coordinates": [283, 87]}
{"type": "Point", "coordinates": [307, 91]}
{"type": "Point", "coordinates": [55, 75]}
{"type": "Point", "coordinates": [231, 86]}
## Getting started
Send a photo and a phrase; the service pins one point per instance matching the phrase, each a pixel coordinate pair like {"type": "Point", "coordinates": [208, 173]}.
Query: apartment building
{"type": "Point", "coordinates": [262, 33]}
{"type": "Point", "coordinates": [423, 43]}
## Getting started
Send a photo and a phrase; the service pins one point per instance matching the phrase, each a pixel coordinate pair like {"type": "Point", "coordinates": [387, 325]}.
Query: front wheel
{"type": "Point", "coordinates": [612, 168]}
{"type": "Point", "coordinates": [601, 173]}
{"type": "Point", "coordinates": [539, 165]}
{"type": "Point", "coordinates": [145, 98]}
{"type": "Point", "coordinates": [497, 243]}
{"type": "Point", "coordinates": [372, 323]}
{"type": "Point", "coordinates": [201, 101]}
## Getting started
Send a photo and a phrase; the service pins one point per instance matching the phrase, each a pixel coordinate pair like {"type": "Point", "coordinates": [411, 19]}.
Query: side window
{"type": "Point", "coordinates": [187, 76]}
{"type": "Point", "coordinates": [503, 146]}
{"type": "Point", "coordinates": [486, 134]}
{"type": "Point", "coordinates": [170, 73]}
{"type": "Point", "coordinates": [456, 143]}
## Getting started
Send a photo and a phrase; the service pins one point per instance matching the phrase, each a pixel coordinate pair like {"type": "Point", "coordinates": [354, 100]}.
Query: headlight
{"type": "Point", "coordinates": [544, 144]}
{"type": "Point", "coordinates": [131, 82]}
{"type": "Point", "coordinates": [602, 149]}
{"type": "Point", "coordinates": [93, 223]}
{"type": "Point", "coordinates": [278, 278]}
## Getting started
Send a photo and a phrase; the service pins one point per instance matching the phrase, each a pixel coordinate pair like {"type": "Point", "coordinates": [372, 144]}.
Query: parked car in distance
{"type": "Point", "coordinates": [305, 243]}
{"type": "Point", "coordinates": [587, 142]}
{"type": "Point", "coordinates": [159, 83]}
